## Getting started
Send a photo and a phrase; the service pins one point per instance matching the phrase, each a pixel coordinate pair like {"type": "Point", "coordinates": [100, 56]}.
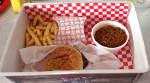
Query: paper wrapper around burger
{"type": "Point", "coordinates": [98, 58]}
{"type": "Point", "coordinates": [34, 57]}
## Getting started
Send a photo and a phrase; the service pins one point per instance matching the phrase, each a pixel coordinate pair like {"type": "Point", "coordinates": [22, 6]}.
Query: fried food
{"type": "Point", "coordinates": [36, 39]}
{"type": "Point", "coordinates": [41, 33]}
{"type": "Point", "coordinates": [30, 43]}
{"type": "Point", "coordinates": [27, 38]}
{"type": "Point", "coordinates": [41, 21]}
{"type": "Point", "coordinates": [35, 21]}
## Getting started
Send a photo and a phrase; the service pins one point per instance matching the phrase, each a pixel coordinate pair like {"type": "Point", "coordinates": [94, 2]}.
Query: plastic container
{"type": "Point", "coordinates": [11, 64]}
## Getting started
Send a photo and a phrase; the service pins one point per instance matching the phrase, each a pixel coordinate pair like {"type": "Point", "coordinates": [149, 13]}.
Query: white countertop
{"type": "Point", "coordinates": [8, 17]}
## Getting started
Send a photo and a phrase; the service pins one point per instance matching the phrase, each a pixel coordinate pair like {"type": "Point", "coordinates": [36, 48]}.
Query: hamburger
{"type": "Point", "coordinates": [64, 58]}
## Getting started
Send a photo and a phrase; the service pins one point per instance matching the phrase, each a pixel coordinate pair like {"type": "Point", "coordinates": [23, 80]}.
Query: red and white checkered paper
{"type": "Point", "coordinates": [71, 29]}
{"type": "Point", "coordinates": [94, 12]}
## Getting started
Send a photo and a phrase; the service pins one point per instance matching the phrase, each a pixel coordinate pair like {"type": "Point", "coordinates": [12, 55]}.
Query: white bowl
{"type": "Point", "coordinates": [111, 23]}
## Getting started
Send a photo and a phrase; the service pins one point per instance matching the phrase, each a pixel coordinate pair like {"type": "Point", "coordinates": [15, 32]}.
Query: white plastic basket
{"type": "Point", "coordinates": [11, 63]}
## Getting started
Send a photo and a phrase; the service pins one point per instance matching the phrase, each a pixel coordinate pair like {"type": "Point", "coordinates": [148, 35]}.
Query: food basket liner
{"type": "Point", "coordinates": [94, 13]}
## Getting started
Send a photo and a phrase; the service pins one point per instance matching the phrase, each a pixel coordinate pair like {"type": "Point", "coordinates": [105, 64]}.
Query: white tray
{"type": "Point", "coordinates": [11, 63]}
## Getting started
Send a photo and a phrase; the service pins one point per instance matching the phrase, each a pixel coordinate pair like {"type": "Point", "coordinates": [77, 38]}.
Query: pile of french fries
{"type": "Point", "coordinates": [41, 33]}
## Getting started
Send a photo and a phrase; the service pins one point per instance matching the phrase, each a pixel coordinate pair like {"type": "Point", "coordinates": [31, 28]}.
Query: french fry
{"type": "Point", "coordinates": [49, 40]}
{"type": "Point", "coordinates": [45, 44]}
{"type": "Point", "coordinates": [39, 32]}
{"type": "Point", "coordinates": [27, 38]}
{"type": "Point", "coordinates": [48, 29]}
{"type": "Point", "coordinates": [40, 27]}
{"type": "Point", "coordinates": [31, 42]}
{"type": "Point", "coordinates": [31, 45]}
{"type": "Point", "coordinates": [46, 34]}
{"type": "Point", "coordinates": [37, 41]}
{"type": "Point", "coordinates": [56, 31]}
{"type": "Point", "coordinates": [34, 30]}
{"type": "Point", "coordinates": [55, 24]}
{"type": "Point", "coordinates": [35, 20]}
{"type": "Point", "coordinates": [44, 40]}
{"type": "Point", "coordinates": [52, 36]}
{"type": "Point", "coordinates": [52, 29]}
{"type": "Point", "coordinates": [41, 38]}
{"type": "Point", "coordinates": [40, 35]}
{"type": "Point", "coordinates": [40, 19]}
{"type": "Point", "coordinates": [45, 23]}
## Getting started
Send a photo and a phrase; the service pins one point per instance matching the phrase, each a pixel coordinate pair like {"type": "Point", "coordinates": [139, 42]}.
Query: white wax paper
{"type": "Point", "coordinates": [35, 57]}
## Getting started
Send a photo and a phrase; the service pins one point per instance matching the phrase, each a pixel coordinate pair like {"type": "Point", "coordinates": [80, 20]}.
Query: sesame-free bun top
{"type": "Point", "coordinates": [64, 58]}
